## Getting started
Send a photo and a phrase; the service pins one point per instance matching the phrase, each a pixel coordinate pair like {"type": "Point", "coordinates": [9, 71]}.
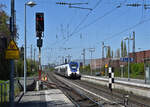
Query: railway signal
{"type": "Point", "coordinates": [39, 22]}
{"type": "Point", "coordinates": [39, 34]}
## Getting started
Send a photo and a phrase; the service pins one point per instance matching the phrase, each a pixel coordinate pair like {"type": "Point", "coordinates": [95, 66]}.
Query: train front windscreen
{"type": "Point", "coordinates": [74, 66]}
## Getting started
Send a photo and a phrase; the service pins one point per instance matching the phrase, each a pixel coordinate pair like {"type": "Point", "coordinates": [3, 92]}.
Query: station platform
{"type": "Point", "coordinates": [45, 98]}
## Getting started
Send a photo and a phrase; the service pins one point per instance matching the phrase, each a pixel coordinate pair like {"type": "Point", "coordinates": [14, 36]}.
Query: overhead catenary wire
{"type": "Point", "coordinates": [101, 18]}
{"type": "Point", "coordinates": [86, 16]}
{"type": "Point", "coordinates": [93, 22]}
{"type": "Point", "coordinates": [127, 29]}
{"type": "Point", "coordinates": [82, 21]}
{"type": "Point", "coordinates": [97, 19]}
{"type": "Point", "coordinates": [117, 34]}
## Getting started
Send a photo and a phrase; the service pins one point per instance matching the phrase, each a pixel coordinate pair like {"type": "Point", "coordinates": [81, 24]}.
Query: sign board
{"type": "Point", "coordinates": [126, 59]}
{"type": "Point", "coordinates": [12, 51]}
{"type": "Point", "coordinates": [122, 66]}
{"type": "Point", "coordinates": [147, 75]}
{"type": "Point", "coordinates": [106, 65]}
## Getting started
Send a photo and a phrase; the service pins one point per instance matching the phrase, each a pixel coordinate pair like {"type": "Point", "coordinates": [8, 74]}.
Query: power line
{"type": "Point", "coordinates": [127, 29]}
{"type": "Point", "coordinates": [93, 22]}
{"type": "Point", "coordinates": [107, 13]}
{"type": "Point", "coordinates": [117, 34]}
{"type": "Point", "coordinates": [82, 21]}
{"type": "Point", "coordinates": [80, 7]}
{"type": "Point", "coordinates": [85, 18]}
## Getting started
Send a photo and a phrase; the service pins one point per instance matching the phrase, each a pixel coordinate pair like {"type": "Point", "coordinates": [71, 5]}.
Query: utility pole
{"type": "Point", "coordinates": [69, 58]}
{"type": "Point", "coordinates": [103, 61]}
{"type": "Point", "coordinates": [31, 52]}
{"type": "Point", "coordinates": [134, 57]}
{"type": "Point", "coordinates": [83, 57]}
{"type": "Point", "coordinates": [34, 58]}
{"type": "Point", "coordinates": [102, 54]}
{"type": "Point", "coordinates": [102, 50]}
{"type": "Point", "coordinates": [31, 57]}
{"type": "Point", "coordinates": [91, 50]}
{"type": "Point", "coordinates": [128, 58]}
{"type": "Point", "coordinates": [128, 38]}
{"type": "Point", "coordinates": [12, 29]}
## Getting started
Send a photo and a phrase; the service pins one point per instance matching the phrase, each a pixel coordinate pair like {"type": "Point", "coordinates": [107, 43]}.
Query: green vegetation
{"type": "Point", "coordinates": [52, 69]}
{"type": "Point", "coordinates": [108, 55]}
{"type": "Point", "coordinates": [85, 70]}
{"type": "Point", "coordinates": [5, 90]}
{"type": "Point", "coordinates": [136, 71]}
{"type": "Point", "coordinates": [4, 20]}
{"type": "Point", "coordinates": [123, 49]}
{"type": "Point", "coordinates": [31, 68]}
{"type": "Point", "coordinates": [5, 36]}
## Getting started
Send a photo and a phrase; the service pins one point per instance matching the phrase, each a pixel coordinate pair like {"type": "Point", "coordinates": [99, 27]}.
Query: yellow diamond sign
{"type": "Point", "coordinates": [106, 65]}
{"type": "Point", "coordinates": [12, 51]}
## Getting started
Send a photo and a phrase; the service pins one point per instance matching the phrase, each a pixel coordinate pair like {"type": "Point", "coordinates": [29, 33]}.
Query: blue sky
{"type": "Point", "coordinates": [105, 23]}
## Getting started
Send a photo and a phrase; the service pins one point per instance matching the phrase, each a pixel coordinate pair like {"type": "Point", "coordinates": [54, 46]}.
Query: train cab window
{"type": "Point", "coordinates": [74, 66]}
{"type": "Point", "coordinates": [66, 68]}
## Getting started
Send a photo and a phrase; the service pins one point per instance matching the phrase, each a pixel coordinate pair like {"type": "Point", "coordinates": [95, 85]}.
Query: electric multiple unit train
{"type": "Point", "coordinates": [70, 70]}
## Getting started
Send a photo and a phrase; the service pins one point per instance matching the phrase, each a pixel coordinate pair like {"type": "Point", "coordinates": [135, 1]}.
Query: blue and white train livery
{"type": "Point", "coordinates": [70, 70]}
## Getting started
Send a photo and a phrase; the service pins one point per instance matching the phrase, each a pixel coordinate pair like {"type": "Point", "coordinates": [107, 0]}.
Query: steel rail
{"type": "Point", "coordinates": [77, 103]}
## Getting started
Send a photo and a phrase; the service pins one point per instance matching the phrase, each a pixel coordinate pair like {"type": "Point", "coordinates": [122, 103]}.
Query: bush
{"type": "Point", "coordinates": [137, 69]}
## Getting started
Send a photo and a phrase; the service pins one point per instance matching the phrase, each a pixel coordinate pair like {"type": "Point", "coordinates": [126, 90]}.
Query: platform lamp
{"type": "Point", "coordinates": [30, 4]}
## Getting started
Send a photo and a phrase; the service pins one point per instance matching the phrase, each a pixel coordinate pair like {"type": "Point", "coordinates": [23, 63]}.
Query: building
{"type": "Point", "coordinates": [115, 62]}
{"type": "Point", "coordinates": [140, 56]}
{"type": "Point", "coordinates": [100, 63]}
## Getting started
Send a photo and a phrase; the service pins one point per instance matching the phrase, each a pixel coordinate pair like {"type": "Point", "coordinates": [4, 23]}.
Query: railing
{"type": "Point", "coordinates": [4, 92]}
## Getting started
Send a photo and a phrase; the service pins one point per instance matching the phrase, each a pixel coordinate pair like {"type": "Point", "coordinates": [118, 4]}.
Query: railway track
{"type": "Point", "coordinates": [78, 98]}
{"type": "Point", "coordinates": [117, 95]}
{"type": "Point", "coordinates": [85, 94]}
{"type": "Point", "coordinates": [104, 102]}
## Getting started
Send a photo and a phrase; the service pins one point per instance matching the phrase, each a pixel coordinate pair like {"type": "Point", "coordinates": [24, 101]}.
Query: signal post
{"type": "Point", "coordinates": [39, 35]}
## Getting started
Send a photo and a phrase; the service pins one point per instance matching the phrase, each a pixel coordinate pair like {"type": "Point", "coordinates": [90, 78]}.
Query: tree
{"type": "Point", "coordinates": [125, 49]}
{"type": "Point", "coordinates": [4, 26]}
{"type": "Point", "coordinates": [4, 38]}
{"type": "Point", "coordinates": [117, 54]}
{"type": "Point", "coordinates": [108, 52]}
{"type": "Point", "coordinates": [122, 49]}
{"type": "Point", "coordinates": [112, 54]}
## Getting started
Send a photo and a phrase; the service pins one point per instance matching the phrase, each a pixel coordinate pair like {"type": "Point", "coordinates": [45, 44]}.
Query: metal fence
{"type": "Point", "coordinates": [4, 92]}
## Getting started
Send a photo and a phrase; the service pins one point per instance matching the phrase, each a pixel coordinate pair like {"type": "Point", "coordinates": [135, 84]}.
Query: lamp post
{"type": "Point", "coordinates": [31, 4]}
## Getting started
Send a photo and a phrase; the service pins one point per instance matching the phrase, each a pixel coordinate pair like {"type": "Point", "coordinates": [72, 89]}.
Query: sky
{"type": "Point", "coordinates": [69, 30]}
